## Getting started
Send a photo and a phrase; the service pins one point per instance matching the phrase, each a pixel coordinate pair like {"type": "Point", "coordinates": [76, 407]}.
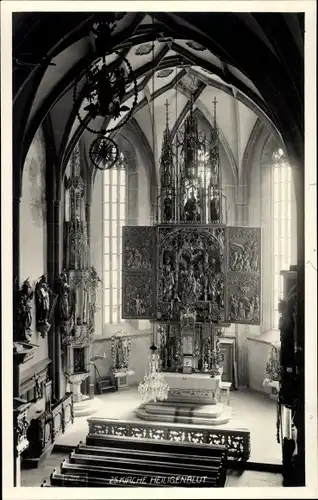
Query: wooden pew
{"type": "Point", "coordinates": [107, 461]}
{"type": "Point", "coordinates": [149, 476]}
{"type": "Point", "coordinates": [143, 444]}
{"type": "Point", "coordinates": [131, 453]}
{"type": "Point", "coordinates": [139, 466]}
{"type": "Point", "coordinates": [141, 463]}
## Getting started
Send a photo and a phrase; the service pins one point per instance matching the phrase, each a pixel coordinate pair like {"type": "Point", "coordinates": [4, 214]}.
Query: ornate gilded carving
{"type": "Point", "coordinates": [21, 432]}
{"type": "Point", "coordinates": [156, 434]}
{"type": "Point", "coordinates": [236, 441]}
{"type": "Point", "coordinates": [191, 271]}
{"type": "Point", "coordinates": [195, 437]}
{"type": "Point", "coordinates": [24, 313]}
{"type": "Point", "coordinates": [138, 248]}
{"type": "Point", "coordinates": [137, 295]}
{"type": "Point", "coordinates": [244, 298]}
{"type": "Point", "coordinates": [138, 272]}
{"type": "Point", "coordinates": [138, 432]}
{"type": "Point", "coordinates": [78, 336]}
{"type": "Point", "coordinates": [244, 275]}
{"type": "Point", "coordinates": [43, 297]}
{"type": "Point", "coordinates": [79, 360]}
{"type": "Point", "coordinates": [65, 306]}
{"type": "Point", "coordinates": [244, 249]}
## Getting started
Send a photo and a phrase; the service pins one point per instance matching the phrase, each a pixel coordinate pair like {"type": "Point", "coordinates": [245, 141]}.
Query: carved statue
{"type": "Point", "coordinates": [21, 429]}
{"type": "Point", "coordinates": [190, 285]}
{"type": "Point", "coordinates": [246, 262]}
{"type": "Point", "coordinates": [220, 293]}
{"type": "Point", "coordinates": [169, 283]}
{"type": "Point", "coordinates": [25, 311]}
{"type": "Point", "coordinates": [256, 308]}
{"type": "Point", "coordinates": [190, 209]}
{"type": "Point", "coordinates": [234, 261]}
{"type": "Point", "coordinates": [130, 257]}
{"type": "Point", "coordinates": [43, 300]}
{"type": "Point", "coordinates": [254, 262]}
{"type": "Point", "coordinates": [38, 389]}
{"type": "Point", "coordinates": [214, 209]}
{"type": "Point", "coordinates": [213, 266]}
{"type": "Point", "coordinates": [140, 308]}
{"type": "Point", "coordinates": [241, 310]}
{"type": "Point", "coordinates": [234, 307]}
{"type": "Point", "coordinates": [167, 209]}
{"type": "Point", "coordinates": [137, 259]}
{"type": "Point", "coordinates": [64, 298]}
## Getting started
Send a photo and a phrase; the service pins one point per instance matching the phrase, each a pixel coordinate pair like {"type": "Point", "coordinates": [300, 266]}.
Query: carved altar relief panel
{"type": "Point", "coordinates": [244, 250]}
{"type": "Point", "coordinates": [138, 246]}
{"type": "Point", "coordinates": [138, 272]}
{"type": "Point", "coordinates": [243, 287]}
{"type": "Point", "coordinates": [191, 271]}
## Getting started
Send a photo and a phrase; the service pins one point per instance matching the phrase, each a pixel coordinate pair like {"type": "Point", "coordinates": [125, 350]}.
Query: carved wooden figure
{"type": "Point", "coordinates": [43, 297]}
{"type": "Point", "coordinates": [25, 312]}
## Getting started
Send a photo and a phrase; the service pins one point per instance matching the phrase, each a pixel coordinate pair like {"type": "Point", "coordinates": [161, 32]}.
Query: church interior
{"type": "Point", "coordinates": [158, 249]}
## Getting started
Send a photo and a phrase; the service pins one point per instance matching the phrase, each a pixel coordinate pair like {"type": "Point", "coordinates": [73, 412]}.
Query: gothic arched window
{"type": "Point", "coordinates": [281, 225]}
{"type": "Point", "coordinates": [119, 209]}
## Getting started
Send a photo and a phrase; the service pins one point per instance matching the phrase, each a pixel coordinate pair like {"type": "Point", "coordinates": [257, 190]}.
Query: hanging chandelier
{"type": "Point", "coordinates": [104, 153]}
{"type": "Point", "coordinates": [105, 87]}
{"type": "Point", "coordinates": [153, 387]}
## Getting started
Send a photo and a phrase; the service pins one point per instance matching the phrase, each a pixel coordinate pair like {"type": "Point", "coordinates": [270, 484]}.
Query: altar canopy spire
{"type": "Point", "coordinates": [166, 200]}
{"type": "Point", "coordinates": [190, 178]}
{"type": "Point", "coordinates": [214, 111]}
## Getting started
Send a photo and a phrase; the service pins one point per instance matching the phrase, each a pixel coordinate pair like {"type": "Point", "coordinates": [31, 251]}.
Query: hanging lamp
{"type": "Point", "coordinates": [105, 87]}
{"type": "Point", "coordinates": [153, 387]}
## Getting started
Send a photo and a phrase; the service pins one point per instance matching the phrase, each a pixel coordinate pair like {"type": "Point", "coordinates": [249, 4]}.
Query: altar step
{"type": "Point", "coordinates": [184, 413]}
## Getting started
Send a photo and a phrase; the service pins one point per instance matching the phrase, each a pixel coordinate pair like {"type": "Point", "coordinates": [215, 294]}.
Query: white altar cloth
{"type": "Point", "coordinates": [194, 387]}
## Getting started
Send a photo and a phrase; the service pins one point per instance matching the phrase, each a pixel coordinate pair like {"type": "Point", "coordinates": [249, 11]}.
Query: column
{"type": "Point", "coordinates": [56, 361]}
{"type": "Point", "coordinates": [90, 386]}
{"type": "Point", "coordinates": [15, 256]}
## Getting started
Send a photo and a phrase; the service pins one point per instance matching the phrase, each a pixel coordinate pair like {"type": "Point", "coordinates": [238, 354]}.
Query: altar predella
{"type": "Point", "coordinates": [190, 262]}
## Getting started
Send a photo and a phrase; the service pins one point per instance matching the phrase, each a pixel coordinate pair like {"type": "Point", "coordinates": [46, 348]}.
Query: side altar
{"type": "Point", "coordinates": [191, 275]}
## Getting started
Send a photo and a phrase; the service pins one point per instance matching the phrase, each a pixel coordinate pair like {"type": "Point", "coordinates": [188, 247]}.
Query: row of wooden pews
{"type": "Point", "coordinates": [111, 461]}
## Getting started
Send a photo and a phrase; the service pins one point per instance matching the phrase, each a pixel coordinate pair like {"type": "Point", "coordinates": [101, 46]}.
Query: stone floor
{"type": "Point", "coordinates": [250, 410]}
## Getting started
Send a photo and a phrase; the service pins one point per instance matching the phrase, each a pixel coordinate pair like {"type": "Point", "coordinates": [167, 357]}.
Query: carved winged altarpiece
{"type": "Point", "coordinates": [190, 268]}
